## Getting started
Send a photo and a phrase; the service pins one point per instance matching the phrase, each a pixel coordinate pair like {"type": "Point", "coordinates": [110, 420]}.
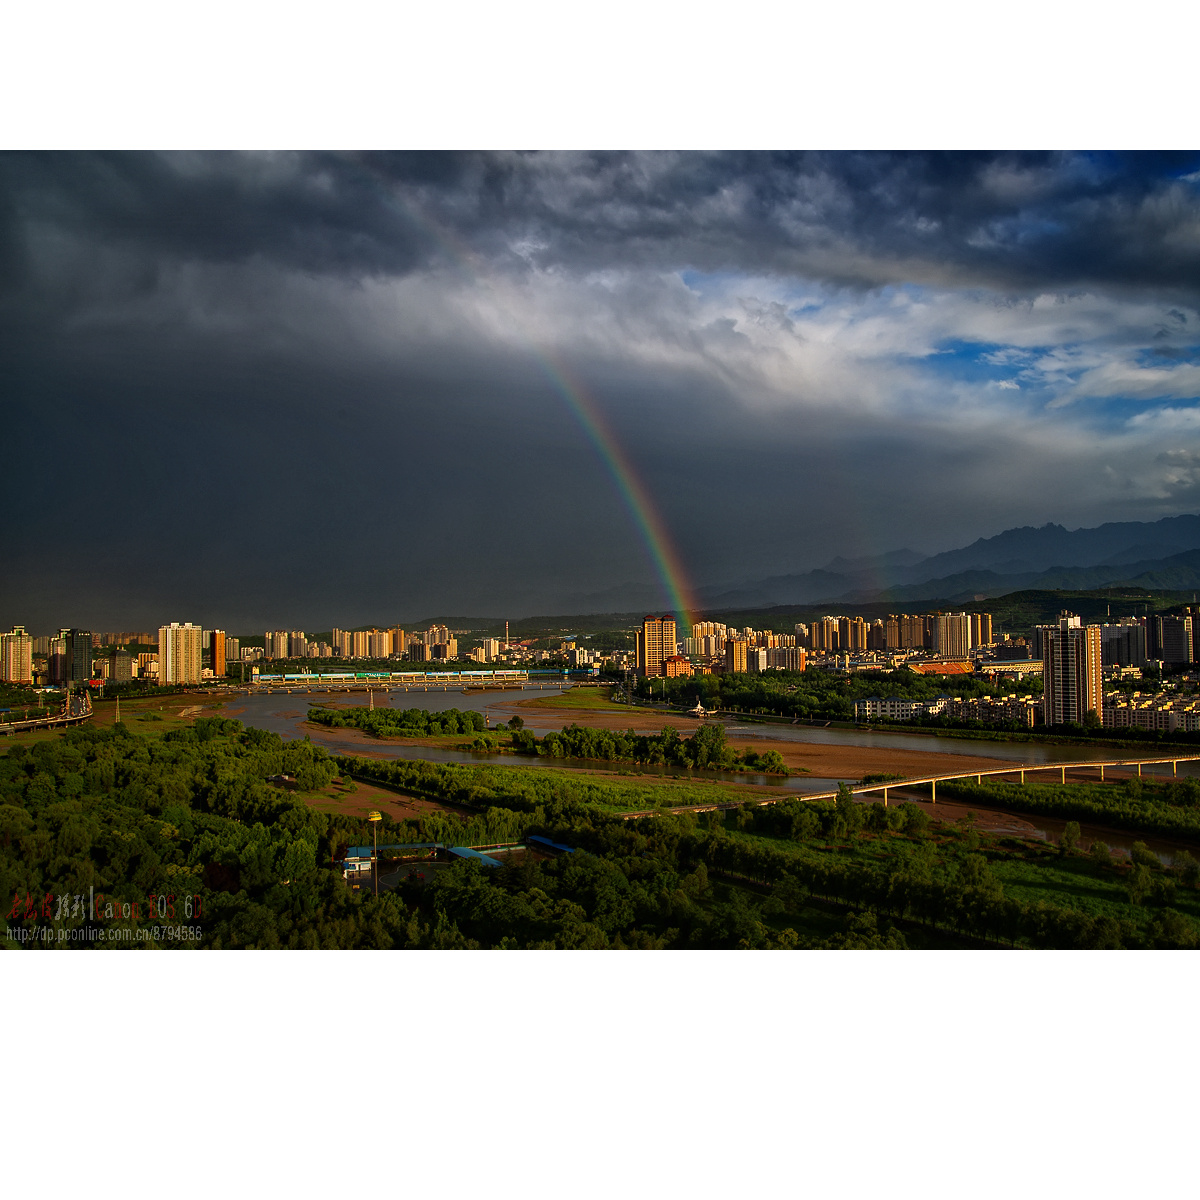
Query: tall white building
{"type": "Point", "coordinates": [16, 656]}
{"type": "Point", "coordinates": [179, 653]}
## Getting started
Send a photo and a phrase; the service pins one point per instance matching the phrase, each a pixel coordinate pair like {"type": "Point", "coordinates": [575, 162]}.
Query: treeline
{"type": "Point", "coordinates": [391, 722]}
{"type": "Point", "coordinates": [524, 791]}
{"type": "Point", "coordinates": [1172, 810]}
{"type": "Point", "coordinates": [707, 748]}
{"type": "Point", "coordinates": [818, 695]}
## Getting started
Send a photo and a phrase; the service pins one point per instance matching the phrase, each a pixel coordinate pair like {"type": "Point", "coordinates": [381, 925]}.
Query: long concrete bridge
{"type": "Point", "coordinates": [76, 708]}
{"type": "Point", "coordinates": [1018, 769]}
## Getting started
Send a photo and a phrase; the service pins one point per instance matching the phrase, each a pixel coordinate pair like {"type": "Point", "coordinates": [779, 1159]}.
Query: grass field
{"type": "Point", "coordinates": [589, 700]}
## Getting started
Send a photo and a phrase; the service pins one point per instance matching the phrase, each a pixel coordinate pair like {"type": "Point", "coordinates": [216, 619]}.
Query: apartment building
{"type": "Point", "coordinates": [656, 642]}
{"type": "Point", "coordinates": [1071, 671]}
{"type": "Point", "coordinates": [179, 653]}
{"type": "Point", "coordinates": [736, 650]}
{"type": "Point", "coordinates": [16, 656]}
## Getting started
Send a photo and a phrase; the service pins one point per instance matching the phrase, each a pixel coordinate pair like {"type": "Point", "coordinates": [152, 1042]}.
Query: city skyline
{"type": "Point", "coordinates": [295, 383]}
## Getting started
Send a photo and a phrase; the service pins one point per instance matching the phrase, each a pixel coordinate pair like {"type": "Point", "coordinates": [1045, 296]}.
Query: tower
{"type": "Point", "coordinates": [1071, 677]}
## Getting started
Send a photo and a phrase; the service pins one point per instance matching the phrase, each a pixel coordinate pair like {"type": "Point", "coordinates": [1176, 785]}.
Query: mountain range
{"type": "Point", "coordinates": [1162, 555]}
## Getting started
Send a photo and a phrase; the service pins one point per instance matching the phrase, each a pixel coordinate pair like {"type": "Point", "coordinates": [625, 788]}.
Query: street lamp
{"type": "Point", "coordinates": [374, 816]}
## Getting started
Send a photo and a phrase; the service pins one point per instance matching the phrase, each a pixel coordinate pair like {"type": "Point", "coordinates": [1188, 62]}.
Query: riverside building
{"type": "Point", "coordinates": [179, 653]}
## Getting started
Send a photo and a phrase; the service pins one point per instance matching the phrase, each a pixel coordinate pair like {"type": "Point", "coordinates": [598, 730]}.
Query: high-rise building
{"type": "Point", "coordinates": [913, 632]}
{"type": "Point", "coordinates": [79, 655]}
{"type": "Point", "coordinates": [1176, 640]}
{"type": "Point", "coordinates": [656, 642]}
{"type": "Point", "coordinates": [399, 641]}
{"type": "Point", "coordinates": [379, 643]}
{"type": "Point", "coordinates": [70, 659]}
{"type": "Point", "coordinates": [216, 651]}
{"type": "Point", "coordinates": [179, 653]}
{"type": "Point", "coordinates": [736, 651]}
{"type": "Point", "coordinates": [275, 644]}
{"type": "Point", "coordinates": [981, 629]}
{"type": "Point", "coordinates": [786, 658]}
{"type": "Point", "coordinates": [952, 637]}
{"type": "Point", "coordinates": [56, 659]}
{"type": "Point", "coordinates": [16, 656]}
{"type": "Point", "coordinates": [852, 634]}
{"type": "Point", "coordinates": [417, 651]}
{"type": "Point", "coordinates": [1124, 644]}
{"type": "Point", "coordinates": [1071, 675]}
{"type": "Point", "coordinates": [297, 644]}
{"type": "Point", "coordinates": [120, 666]}
{"type": "Point", "coordinates": [825, 635]}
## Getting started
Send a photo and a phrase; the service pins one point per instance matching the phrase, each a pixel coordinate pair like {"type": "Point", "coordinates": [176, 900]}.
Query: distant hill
{"type": "Point", "coordinates": [1176, 573]}
{"type": "Point", "coordinates": [1047, 557]}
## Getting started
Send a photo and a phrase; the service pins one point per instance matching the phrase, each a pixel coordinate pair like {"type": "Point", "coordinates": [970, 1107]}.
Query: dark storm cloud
{"type": "Point", "coordinates": [1016, 221]}
{"type": "Point", "coordinates": [305, 388]}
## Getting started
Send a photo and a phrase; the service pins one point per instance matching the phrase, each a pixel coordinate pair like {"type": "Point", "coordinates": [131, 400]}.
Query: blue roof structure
{"type": "Point", "coordinates": [543, 843]}
{"type": "Point", "coordinates": [468, 853]}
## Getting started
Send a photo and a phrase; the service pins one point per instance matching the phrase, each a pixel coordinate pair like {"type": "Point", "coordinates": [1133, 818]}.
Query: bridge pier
{"type": "Point", "coordinates": [1101, 772]}
{"type": "Point", "coordinates": [1175, 767]}
{"type": "Point", "coordinates": [885, 797]}
{"type": "Point", "coordinates": [933, 791]}
{"type": "Point", "coordinates": [1064, 773]}
{"type": "Point", "coordinates": [1139, 770]}
{"type": "Point", "coordinates": [1022, 774]}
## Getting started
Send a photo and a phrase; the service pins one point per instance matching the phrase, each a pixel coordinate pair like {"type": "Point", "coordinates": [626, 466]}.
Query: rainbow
{"type": "Point", "coordinates": [641, 508]}
{"type": "Point", "coordinates": [646, 518]}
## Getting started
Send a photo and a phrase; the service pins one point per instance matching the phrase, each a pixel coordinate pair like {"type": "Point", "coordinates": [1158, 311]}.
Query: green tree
{"type": "Point", "coordinates": [1187, 867]}
{"type": "Point", "coordinates": [1069, 838]}
{"type": "Point", "coordinates": [1139, 883]}
{"type": "Point", "coordinates": [1140, 853]}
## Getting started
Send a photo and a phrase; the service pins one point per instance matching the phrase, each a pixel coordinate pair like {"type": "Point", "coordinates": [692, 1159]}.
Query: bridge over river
{"type": "Point", "coordinates": [76, 708]}
{"type": "Point", "coordinates": [1018, 769]}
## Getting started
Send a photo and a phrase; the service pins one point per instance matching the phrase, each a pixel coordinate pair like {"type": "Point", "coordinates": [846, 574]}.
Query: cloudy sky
{"type": "Point", "coordinates": [307, 389]}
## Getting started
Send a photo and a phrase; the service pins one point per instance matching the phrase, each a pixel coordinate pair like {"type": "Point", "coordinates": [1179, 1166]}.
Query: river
{"type": "Point", "coordinates": [285, 713]}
